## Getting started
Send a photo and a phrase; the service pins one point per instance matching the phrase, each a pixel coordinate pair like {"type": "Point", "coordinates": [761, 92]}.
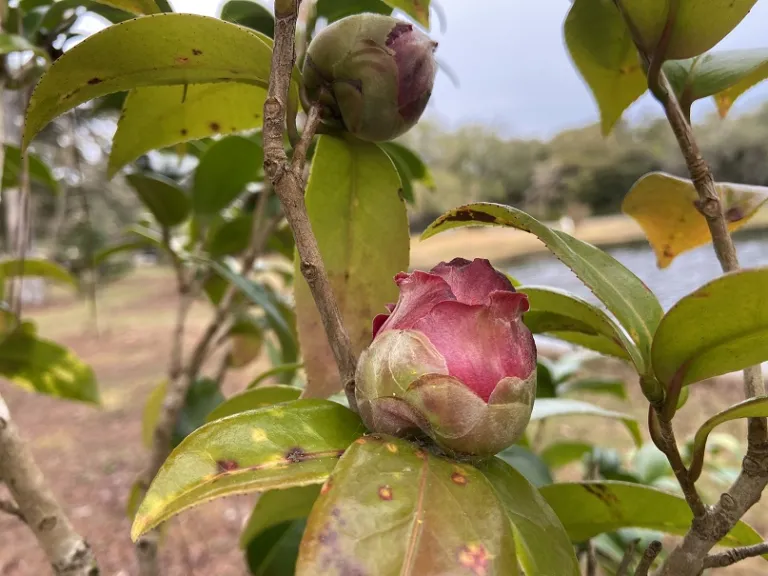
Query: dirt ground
{"type": "Point", "coordinates": [91, 456]}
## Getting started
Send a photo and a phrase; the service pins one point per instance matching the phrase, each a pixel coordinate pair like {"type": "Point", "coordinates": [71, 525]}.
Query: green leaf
{"type": "Point", "coordinates": [134, 6]}
{"type": "Point", "coordinates": [276, 507]}
{"type": "Point", "coordinates": [125, 246]}
{"type": "Point", "coordinates": [609, 386]}
{"type": "Point", "coordinates": [246, 339]}
{"type": "Point", "coordinates": [752, 408]}
{"type": "Point", "coordinates": [587, 509]}
{"type": "Point", "coordinates": [285, 446]}
{"type": "Point", "coordinates": [603, 52]}
{"type": "Point", "coordinates": [721, 327]}
{"type": "Point", "coordinates": [231, 238]}
{"type": "Point", "coordinates": [249, 13]}
{"type": "Point", "coordinates": [563, 453]}
{"type": "Point", "coordinates": [38, 267]}
{"type": "Point", "coordinates": [277, 370]}
{"type": "Point", "coordinates": [665, 208]}
{"type": "Point", "coordinates": [45, 367]}
{"type": "Point", "coordinates": [154, 117]}
{"type": "Point", "coordinates": [545, 408]}
{"type": "Point", "coordinates": [202, 397]}
{"type": "Point", "coordinates": [274, 552]}
{"type": "Point", "coordinates": [151, 414]}
{"type": "Point", "coordinates": [333, 10]}
{"type": "Point", "coordinates": [410, 167]}
{"type": "Point", "coordinates": [623, 293]}
{"type": "Point", "coordinates": [39, 171]}
{"type": "Point", "coordinates": [650, 464]}
{"type": "Point", "coordinates": [535, 470]}
{"type": "Point", "coordinates": [545, 384]}
{"type": "Point", "coordinates": [163, 49]}
{"type": "Point", "coordinates": [385, 507]}
{"type": "Point", "coordinates": [355, 211]}
{"type": "Point", "coordinates": [542, 544]}
{"type": "Point", "coordinates": [556, 311]}
{"type": "Point", "coordinates": [165, 199]}
{"type": "Point", "coordinates": [254, 399]}
{"type": "Point", "coordinates": [694, 30]}
{"type": "Point", "coordinates": [224, 171]}
{"type": "Point", "coordinates": [14, 43]}
{"type": "Point", "coordinates": [416, 9]}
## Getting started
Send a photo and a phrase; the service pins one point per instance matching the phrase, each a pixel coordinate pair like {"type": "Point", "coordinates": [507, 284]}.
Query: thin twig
{"type": "Point", "coordinates": [11, 509]}
{"type": "Point", "coordinates": [734, 555]}
{"type": "Point", "coordinates": [627, 560]}
{"type": "Point", "coordinates": [288, 180]}
{"type": "Point", "coordinates": [650, 554]}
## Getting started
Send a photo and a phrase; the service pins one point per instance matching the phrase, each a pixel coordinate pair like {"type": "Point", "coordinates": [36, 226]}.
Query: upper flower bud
{"type": "Point", "coordinates": [374, 75]}
{"type": "Point", "coordinates": [452, 359]}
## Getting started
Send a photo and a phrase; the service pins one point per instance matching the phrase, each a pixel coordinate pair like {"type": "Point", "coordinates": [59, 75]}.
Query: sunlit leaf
{"type": "Point", "coordinates": [254, 399]}
{"type": "Point", "coordinates": [355, 210]}
{"type": "Point", "coordinates": [36, 267]}
{"type": "Point", "coordinates": [623, 293]}
{"type": "Point", "coordinates": [385, 504]}
{"type": "Point", "coordinates": [134, 6]}
{"type": "Point", "coordinates": [560, 407]}
{"type": "Point", "coordinates": [39, 172]}
{"type": "Point", "coordinates": [721, 327]}
{"type": "Point", "coordinates": [165, 199]}
{"type": "Point", "coordinates": [529, 464]}
{"type": "Point", "coordinates": [563, 453]}
{"type": "Point", "coordinates": [285, 446]}
{"type": "Point", "coordinates": [157, 50]}
{"type": "Point", "coordinates": [587, 509]}
{"type": "Point", "coordinates": [665, 207]}
{"type": "Point", "coordinates": [542, 544]}
{"type": "Point", "coordinates": [276, 371]}
{"type": "Point", "coordinates": [416, 9]}
{"type": "Point", "coordinates": [333, 10]}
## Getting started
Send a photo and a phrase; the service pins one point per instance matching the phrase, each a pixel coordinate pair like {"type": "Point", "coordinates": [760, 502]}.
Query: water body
{"type": "Point", "coordinates": [687, 272]}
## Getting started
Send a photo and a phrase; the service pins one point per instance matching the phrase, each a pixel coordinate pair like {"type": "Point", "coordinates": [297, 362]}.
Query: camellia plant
{"type": "Point", "coordinates": [413, 448]}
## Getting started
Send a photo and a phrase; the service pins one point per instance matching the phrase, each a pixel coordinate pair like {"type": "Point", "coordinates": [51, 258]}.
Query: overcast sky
{"type": "Point", "coordinates": [515, 72]}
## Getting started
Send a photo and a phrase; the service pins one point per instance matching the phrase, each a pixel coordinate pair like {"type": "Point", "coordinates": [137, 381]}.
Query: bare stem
{"type": "Point", "coordinates": [627, 560]}
{"type": "Point", "coordinates": [288, 180]}
{"type": "Point", "coordinates": [650, 554]}
{"type": "Point", "coordinates": [734, 555]}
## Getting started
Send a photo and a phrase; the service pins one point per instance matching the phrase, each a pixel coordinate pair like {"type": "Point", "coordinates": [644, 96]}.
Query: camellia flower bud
{"type": "Point", "coordinates": [374, 75]}
{"type": "Point", "coordinates": [453, 360]}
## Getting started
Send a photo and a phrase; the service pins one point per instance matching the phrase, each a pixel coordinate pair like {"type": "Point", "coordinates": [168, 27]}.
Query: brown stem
{"type": "Point", "coordinates": [288, 180]}
{"type": "Point", "coordinates": [11, 509]}
{"type": "Point", "coordinates": [653, 550]}
{"type": "Point", "coordinates": [734, 555]}
{"type": "Point", "coordinates": [68, 553]}
{"type": "Point", "coordinates": [627, 559]}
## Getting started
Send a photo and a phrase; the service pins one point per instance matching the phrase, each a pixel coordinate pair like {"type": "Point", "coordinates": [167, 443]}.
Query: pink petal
{"type": "Point", "coordinates": [472, 282]}
{"type": "Point", "coordinates": [482, 344]}
{"type": "Point", "coordinates": [419, 293]}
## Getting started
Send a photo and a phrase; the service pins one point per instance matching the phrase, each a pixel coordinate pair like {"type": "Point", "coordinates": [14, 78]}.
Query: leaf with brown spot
{"type": "Point", "coordinates": [665, 207]}
{"type": "Point", "coordinates": [355, 212]}
{"type": "Point", "coordinates": [587, 509]}
{"type": "Point", "coordinates": [401, 514]}
{"type": "Point", "coordinates": [257, 441]}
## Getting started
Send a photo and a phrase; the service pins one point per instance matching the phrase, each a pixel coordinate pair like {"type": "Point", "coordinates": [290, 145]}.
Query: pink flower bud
{"type": "Point", "coordinates": [452, 360]}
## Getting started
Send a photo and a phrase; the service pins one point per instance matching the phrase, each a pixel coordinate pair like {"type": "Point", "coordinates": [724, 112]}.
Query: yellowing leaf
{"type": "Point", "coordinates": [665, 207]}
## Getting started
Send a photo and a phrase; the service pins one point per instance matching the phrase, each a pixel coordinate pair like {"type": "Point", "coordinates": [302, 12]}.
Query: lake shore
{"type": "Point", "coordinates": [503, 245]}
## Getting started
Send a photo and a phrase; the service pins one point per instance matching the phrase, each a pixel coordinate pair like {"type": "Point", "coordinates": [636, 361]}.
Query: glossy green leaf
{"type": "Point", "coordinates": [721, 327]}
{"type": "Point", "coordinates": [277, 370]}
{"type": "Point", "coordinates": [231, 237]}
{"type": "Point", "coordinates": [545, 384]}
{"type": "Point", "coordinates": [333, 10]}
{"type": "Point", "coordinates": [276, 507]}
{"type": "Point", "coordinates": [134, 6]}
{"type": "Point", "coordinates": [355, 210]}
{"type": "Point", "coordinates": [224, 171]}
{"type": "Point", "coordinates": [383, 511]}
{"type": "Point", "coordinates": [38, 267]}
{"type": "Point", "coordinates": [163, 49]}
{"type": "Point", "coordinates": [39, 172]}
{"type": "Point", "coordinates": [530, 465]}
{"type": "Point", "coordinates": [694, 30]}
{"type": "Point", "coordinates": [416, 9]}
{"type": "Point", "coordinates": [752, 408]}
{"type": "Point", "coordinates": [564, 453]}
{"type": "Point", "coordinates": [249, 13]}
{"type": "Point", "coordinates": [410, 167]}
{"type": "Point", "coordinates": [556, 311]}
{"type": "Point", "coordinates": [609, 386]}
{"type": "Point", "coordinates": [542, 543]}
{"type": "Point", "coordinates": [254, 399]}
{"type": "Point", "coordinates": [665, 208]}
{"type": "Point", "coordinates": [587, 509]}
{"type": "Point", "coordinates": [560, 407]}
{"type": "Point", "coordinates": [120, 247]}
{"type": "Point", "coordinates": [274, 552]}
{"type": "Point", "coordinates": [202, 396]}
{"type": "Point", "coordinates": [603, 52]}
{"type": "Point", "coordinates": [45, 367]}
{"type": "Point", "coordinates": [623, 293]}
{"type": "Point", "coordinates": [290, 445]}
{"type": "Point", "coordinates": [165, 199]}
{"type": "Point", "coordinates": [151, 414]}
{"type": "Point", "coordinates": [650, 463]}
{"type": "Point", "coordinates": [154, 117]}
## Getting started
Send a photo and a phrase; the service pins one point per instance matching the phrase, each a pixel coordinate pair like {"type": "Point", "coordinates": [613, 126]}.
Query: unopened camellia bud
{"type": "Point", "coordinates": [374, 75]}
{"type": "Point", "coordinates": [453, 361]}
